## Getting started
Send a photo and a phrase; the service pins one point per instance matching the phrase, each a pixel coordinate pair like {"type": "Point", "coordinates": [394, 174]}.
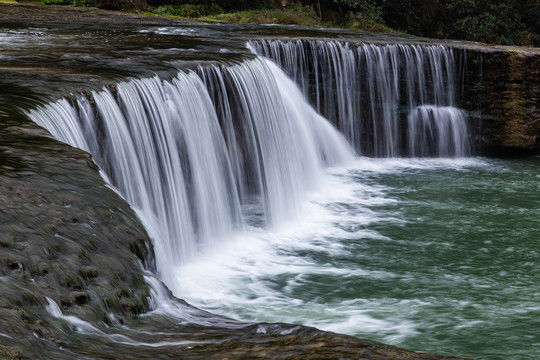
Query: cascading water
{"type": "Point", "coordinates": [437, 131]}
{"type": "Point", "coordinates": [377, 95]}
{"type": "Point", "coordinates": [436, 255]}
{"type": "Point", "coordinates": [190, 173]}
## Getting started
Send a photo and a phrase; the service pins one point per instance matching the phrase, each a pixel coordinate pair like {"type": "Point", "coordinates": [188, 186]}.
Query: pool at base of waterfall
{"type": "Point", "coordinates": [435, 255]}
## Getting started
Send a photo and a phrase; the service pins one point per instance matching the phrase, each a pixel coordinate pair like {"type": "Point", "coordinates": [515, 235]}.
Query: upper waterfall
{"type": "Point", "coordinates": [204, 154]}
{"type": "Point", "coordinates": [375, 94]}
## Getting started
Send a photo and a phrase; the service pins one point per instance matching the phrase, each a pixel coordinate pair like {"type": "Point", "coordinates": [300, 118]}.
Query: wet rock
{"type": "Point", "coordinates": [45, 254]}
{"type": "Point", "coordinates": [502, 93]}
{"type": "Point", "coordinates": [89, 272]}
{"type": "Point", "coordinates": [79, 297]}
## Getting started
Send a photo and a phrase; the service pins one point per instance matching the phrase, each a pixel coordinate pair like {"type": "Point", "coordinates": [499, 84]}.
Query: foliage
{"type": "Point", "coordinates": [370, 9]}
{"type": "Point", "coordinates": [419, 17]}
{"type": "Point", "coordinates": [57, 2]}
{"type": "Point", "coordinates": [483, 21]}
{"type": "Point", "coordinates": [189, 10]}
{"type": "Point", "coordinates": [227, 5]}
{"type": "Point", "coordinates": [245, 4]}
{"type": "Point", "coordinates": [85, 3]}
{"type": "Point", "coordinates": [496, 21]}
{"type": "Point", "coordinates": [366, 24]}
{"type": "Point", "coordinates": [300, 15]}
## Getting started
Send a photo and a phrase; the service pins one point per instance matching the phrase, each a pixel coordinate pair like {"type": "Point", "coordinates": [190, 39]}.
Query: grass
{"type": "Point", "coordinates": [298, 15]}
{"type": "Point", "coordinates": [293, 15]}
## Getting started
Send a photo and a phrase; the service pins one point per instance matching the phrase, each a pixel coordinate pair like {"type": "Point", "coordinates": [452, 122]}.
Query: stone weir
{"type": "Point", "coordinates": [74, 273]}
{"type": "Point", "coordinates": [72, 278]}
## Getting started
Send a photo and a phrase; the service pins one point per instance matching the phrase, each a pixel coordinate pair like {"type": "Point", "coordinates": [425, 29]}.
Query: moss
{"type": "Point", "coordinates": [84, 3]}
{"type": "Point", "coordinates": [297, 15]}
{"type": "Point", "coordinates": [79, 297]}
{"type": "Point", "coordinates": [366, 24]}
{"type": "Point", "coordinates": [514, 108]}
{"type": "Point", "coordinates": [8, 352]}
{"type": "Point", "coordinates": [89, 272]}
{"type": "Point", "coordinates": [189, 10]}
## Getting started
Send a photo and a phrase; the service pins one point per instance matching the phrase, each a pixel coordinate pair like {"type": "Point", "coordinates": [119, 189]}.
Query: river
{"type": "Point", "coordinates": [260, 210]}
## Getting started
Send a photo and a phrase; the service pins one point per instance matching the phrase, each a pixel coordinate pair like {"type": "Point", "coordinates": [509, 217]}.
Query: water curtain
{"type": "Point", "coordinates": [388, 100]}
{"type": "Point", "coordinates": [204, 155]}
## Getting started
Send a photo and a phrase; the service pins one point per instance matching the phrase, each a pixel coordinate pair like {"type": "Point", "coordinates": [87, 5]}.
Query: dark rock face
{"type": "Point", "coordinates": [65, 236]}
{"type": "Point", "coordinates": [502, 88]}
{"type": "Point", "coordinates": [122, 4]}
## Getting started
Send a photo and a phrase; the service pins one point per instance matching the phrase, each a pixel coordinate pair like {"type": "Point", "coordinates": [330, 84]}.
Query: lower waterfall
{"type": "Point", "coordinates": [205, 154]}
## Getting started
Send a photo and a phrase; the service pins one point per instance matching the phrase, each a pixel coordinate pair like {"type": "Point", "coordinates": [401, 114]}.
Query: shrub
{"type": "Point", "coordinates": [84, 3]}
{"type": "Point", "coordinates": [483, 21]}
{"type": "Point", "coordinates": [190, 10]}
{"type": "Point", "coordinates": [365, 8]}
{"type": "Point", "coordinates": [227, 5]}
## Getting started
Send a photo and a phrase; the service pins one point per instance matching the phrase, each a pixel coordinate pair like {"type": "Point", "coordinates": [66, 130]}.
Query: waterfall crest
{"type": "Point", "coordinates": [375, 94]}
{"type": "Point", "coordinates": [205, 154]}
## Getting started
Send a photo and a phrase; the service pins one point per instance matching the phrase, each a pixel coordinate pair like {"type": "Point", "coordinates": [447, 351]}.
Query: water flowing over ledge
{"type": "Point", "coordinates": [377, 95]}
{"type": "Point", "coordinates": [218, 153]}
{"type": "Point", "coordinates": [205, 154]}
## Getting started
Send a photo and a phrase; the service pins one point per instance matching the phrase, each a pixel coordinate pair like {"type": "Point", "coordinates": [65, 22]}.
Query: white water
{"type": "Point", "coordinates": [437, 130]}
{"type": "Point", "coordinates": [372, 93]}
{"type": "Point", "coordinates": [197, 180]}
{"type": "Point", "coordinates": [86, 328]}
{"type": "Point", "coordinates": [298, 274]}
{"type": "Point", "coordinates": [244, 188]}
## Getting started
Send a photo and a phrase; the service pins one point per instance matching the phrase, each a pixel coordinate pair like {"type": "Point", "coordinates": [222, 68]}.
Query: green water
{"type": "Point", "coordinates": [438, 256]}
{"type": "Point", "coordinates": [467, 255]}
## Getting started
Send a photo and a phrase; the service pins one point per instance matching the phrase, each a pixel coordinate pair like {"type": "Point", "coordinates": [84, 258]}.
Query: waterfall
{"type": "Point", "coordinates": [437, 130]}
{"type": "Point", "coordinates": [378, 94]}
{"type": "Point", "coordinates": [205, 154]}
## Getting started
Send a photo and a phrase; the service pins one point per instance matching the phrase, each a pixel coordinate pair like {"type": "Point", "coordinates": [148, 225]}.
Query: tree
{"type": "Point", "coordinates": [482, 20]}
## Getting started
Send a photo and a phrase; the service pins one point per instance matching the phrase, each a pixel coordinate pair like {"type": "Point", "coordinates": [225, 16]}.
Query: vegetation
{"type": "Point", "coordinates": [303, 15]}
{"type": "Point", "coordinates": [86, 3]}
{"type": "Point", "coordinates": [189, 10]}
{"type": "Point", "coordinates": [493, 21]}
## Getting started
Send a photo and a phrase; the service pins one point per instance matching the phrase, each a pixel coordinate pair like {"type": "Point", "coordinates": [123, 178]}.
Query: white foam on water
{"type": "Point", "coordinates": [85, 328]}
{"type": "Point", "coordinates": [266, 275]}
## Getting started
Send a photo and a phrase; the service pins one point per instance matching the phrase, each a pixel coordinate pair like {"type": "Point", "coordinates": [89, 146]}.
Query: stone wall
{"type": "Point", "coordinates": [501, 90]}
